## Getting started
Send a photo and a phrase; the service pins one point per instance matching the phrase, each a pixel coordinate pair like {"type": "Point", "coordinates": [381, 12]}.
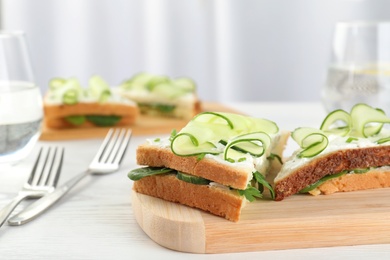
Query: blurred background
{"type": "Point", "coordinates": [251, 50]}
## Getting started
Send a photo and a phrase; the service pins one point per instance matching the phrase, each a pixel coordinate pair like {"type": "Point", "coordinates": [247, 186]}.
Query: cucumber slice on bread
{"type": "Point", "coordinates": [192, 179]}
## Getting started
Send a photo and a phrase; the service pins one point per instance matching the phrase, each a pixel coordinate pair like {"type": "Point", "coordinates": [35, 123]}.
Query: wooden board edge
{"type": "Point", "coordinates": [304, 221]}
{"type": "Point", "coordinates": [296, 234]}
{"type": "Point", "coordinates": [170, 225]}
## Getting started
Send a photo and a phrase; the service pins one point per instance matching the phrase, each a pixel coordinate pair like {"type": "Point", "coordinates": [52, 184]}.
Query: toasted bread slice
{"type": "Point", "coordinates": [55, 114]}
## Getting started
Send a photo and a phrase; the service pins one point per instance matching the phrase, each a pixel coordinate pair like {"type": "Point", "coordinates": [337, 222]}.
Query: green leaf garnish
{"type": "Point", "coordinates": [321, 181]}
{"type": "Point", "coordinates": [165, 108]}
{"type": "Point", "coordinates": [75, 120]}
{"type": "Point", "coordinates": [363, 170]}
{"type": "Point", "coordinates": [140, 173]}
{"type": "Point", "coordinates": [261, 179]}
{"type": "Point", "coordinates": [250, 193]}
{"type": "Point", "coordinates": [103, 120]}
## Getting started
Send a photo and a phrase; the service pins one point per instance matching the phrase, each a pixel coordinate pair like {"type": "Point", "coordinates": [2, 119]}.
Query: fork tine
{"type": "Point", "coordinates": [34, 169]}
{"type": "Point", "coordinates": [122, 149]}
{"type": "Point", "coordinates": [59, 167]}
{"type": "Point", "coordinates": [115, 148]}
{"type": "Point", "coordinates": [52, 176]}
{"type": "Point", "coordinates": [50, 166]}
{"type": "Point", "coordinates": [102, 147]}
{"type": "Point", "coordinates": [43, 171]}
{"type": "Point", "coordinates": [110, 146]}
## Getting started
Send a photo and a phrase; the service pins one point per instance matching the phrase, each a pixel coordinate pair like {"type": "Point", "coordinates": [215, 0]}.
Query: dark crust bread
{"type": "Point", "coordinates": [155, 156]}
{"type": "Point", "coordinates": [217, 201]}
{"type": "Point", "coordinates": [54, 114]}
{"type": "Point", "coordinates": [331, 163]}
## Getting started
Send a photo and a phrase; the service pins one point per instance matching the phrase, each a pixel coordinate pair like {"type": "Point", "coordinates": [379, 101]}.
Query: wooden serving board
{"type": "Point", "coordinates": [300, 221]}
{"type": "Point", "coordinates": [145, 125]}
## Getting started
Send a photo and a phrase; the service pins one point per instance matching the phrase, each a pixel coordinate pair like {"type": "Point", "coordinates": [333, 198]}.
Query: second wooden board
{"type": "Point", "coordinates": [145, 125]}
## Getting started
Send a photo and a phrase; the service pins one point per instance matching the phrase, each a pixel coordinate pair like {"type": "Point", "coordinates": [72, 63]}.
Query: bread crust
{"type": "Point", "coordinates": [332, 163]}
{"type": "Point", "coordinates": [55, 114]}
{"type": "Point", "coordinates": [155, 156]}
{"type": "Point", "coordinates": [223, 203]}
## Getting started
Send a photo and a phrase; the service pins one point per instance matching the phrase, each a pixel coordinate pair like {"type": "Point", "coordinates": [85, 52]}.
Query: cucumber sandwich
{"type": "Point", "coordinates": [350, 151]}
{"type": "Point", "coordinates": [159, 95]}
{"type": "Point", "coordinates": [216, 163]}
{"type": "Point", "coordinates": [68, 105]}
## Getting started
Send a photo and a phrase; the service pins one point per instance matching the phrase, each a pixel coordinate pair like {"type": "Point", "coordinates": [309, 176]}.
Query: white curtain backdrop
{"type": "Point", "coordinates": [252, 50]}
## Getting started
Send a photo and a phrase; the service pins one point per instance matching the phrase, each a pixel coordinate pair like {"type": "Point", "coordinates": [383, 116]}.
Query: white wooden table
{"type": "Point", "coordinates": [95, 220]}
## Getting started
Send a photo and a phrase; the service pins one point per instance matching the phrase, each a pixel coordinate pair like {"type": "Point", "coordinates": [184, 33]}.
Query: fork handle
{"type": "Point", "coordinates": [7, 210]}
{"type": "Point", "coordinates": [38, 207]}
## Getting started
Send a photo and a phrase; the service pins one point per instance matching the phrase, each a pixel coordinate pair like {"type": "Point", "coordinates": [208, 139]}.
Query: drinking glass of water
{"type": "Point", "coordinates": [359, 69]}
{"type": "Point", "coordinates": [21, 110]}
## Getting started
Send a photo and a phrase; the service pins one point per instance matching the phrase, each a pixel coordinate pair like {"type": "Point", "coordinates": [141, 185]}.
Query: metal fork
{"type": "Point", "coordinates": [43, 179]}
{"type": "Point", "coordinates": [107, 160]}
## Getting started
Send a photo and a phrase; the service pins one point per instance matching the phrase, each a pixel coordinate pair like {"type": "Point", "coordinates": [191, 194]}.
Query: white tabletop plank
{"type": "Point", "coordinates": [95, 220]}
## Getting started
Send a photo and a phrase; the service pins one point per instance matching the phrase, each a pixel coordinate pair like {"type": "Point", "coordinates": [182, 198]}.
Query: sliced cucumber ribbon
{"type": "Point", "coordinates": [99, 88]}
{"type": "Point", "coordinates": [239, 135]}
{"type": "Point", "coordinates": [331, 123]}
{"type": "Point", "coordinates": [253, 143]}
{"type": "Point", "coordinates": [311, 140]}
{"type": "Point", "coordinates": [363, 121]}
{"type": "Point", "coordinates": [69, 91]}
{"type": "Point", "coordinates": [159, 85]}
{"type": "Point", "coordinates": [367, 121]}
